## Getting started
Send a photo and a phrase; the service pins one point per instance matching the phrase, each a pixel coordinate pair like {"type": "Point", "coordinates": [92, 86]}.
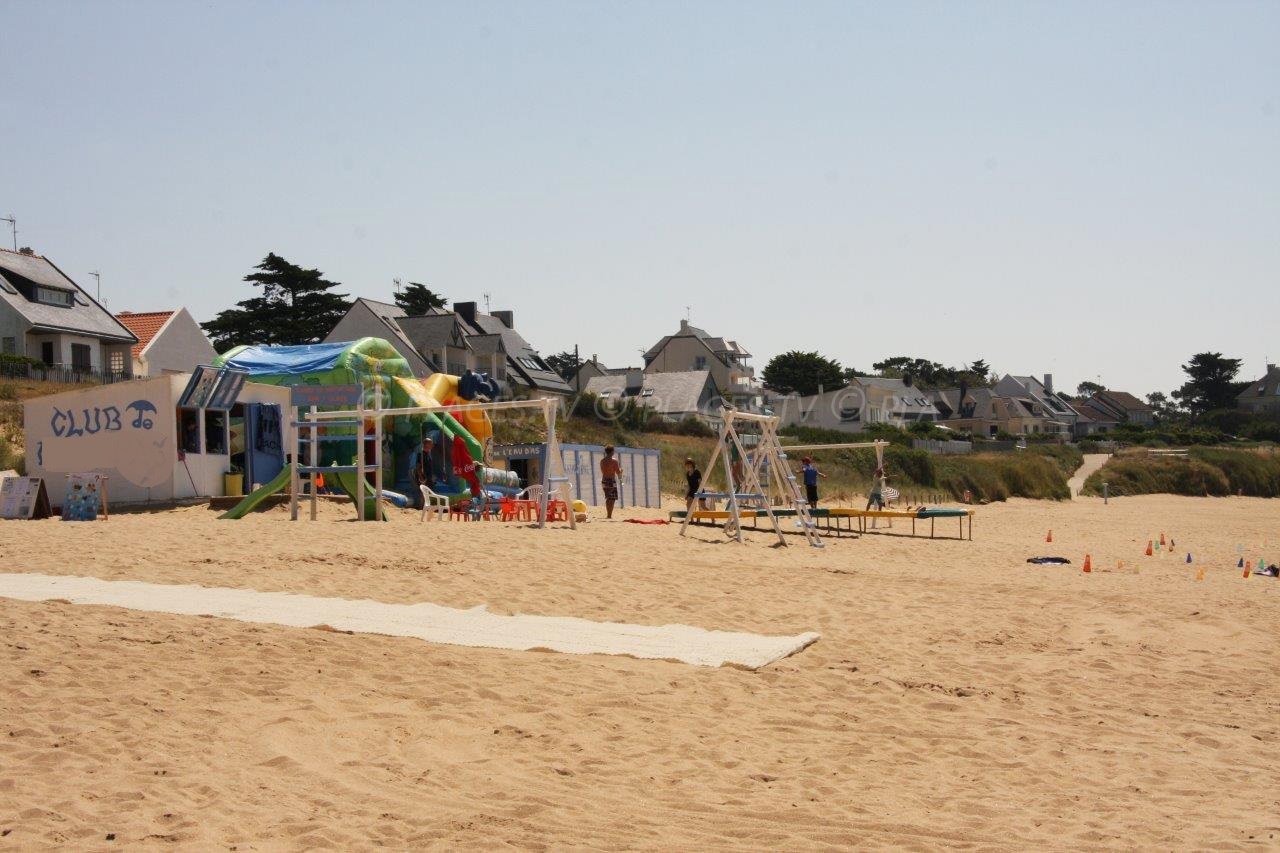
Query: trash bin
{"type": "Point", "coordinates": [233, 485]}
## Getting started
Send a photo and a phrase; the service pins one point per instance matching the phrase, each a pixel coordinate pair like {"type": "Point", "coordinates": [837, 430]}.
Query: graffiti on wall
{"type": "Point", "coordinates": [92, 420]}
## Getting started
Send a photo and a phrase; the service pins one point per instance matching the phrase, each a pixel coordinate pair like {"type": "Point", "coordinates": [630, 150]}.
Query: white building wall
{"type": "Point", "coordinates": [13, 325]}
{"type": "Point", "coordinates": [179, 347]}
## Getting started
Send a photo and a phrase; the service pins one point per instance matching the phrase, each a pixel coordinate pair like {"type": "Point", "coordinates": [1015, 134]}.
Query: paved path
{"type": "Point", "coordinates": [1092, 462]}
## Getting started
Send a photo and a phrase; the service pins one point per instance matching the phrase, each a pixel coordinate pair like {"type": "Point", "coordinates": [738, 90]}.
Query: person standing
{"type": "Point", "coordinates": [693, 477]}
{"type": "Point", "coordinates": [877, 489]}
{"type": "Point", "coordinates": [610, 472]}
{"type": "Point", "coordinates": [811, 475]}
{"type": "Point", "coordinates": [422, 475]}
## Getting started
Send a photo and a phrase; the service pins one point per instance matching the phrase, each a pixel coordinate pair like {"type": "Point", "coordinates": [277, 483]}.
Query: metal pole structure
{"type": "Point", "coordinates": [13, 223]}
{"type": "Point", "coordinates": [314, 456]}
{"type": "Point", "coordinates": [98, 278]}
{"type": "Point", "coordinates": [294, 480]}
{"type": "Point", "coordinates": [377, 453]}
{"type": "Point", "coordinates": [1106, 498]}
{"type": "Point", "coordinates": [549, 417]}
{"type": "Point", "coordinates": [359, 460]}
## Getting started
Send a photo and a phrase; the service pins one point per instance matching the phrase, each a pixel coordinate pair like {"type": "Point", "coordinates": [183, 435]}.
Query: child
{"type": "Point", "coordinates": [811, 475]}
{"type": "Point", "coordinates": [693, 477]}
{"type": "Point", "coordinates": [877, 485]}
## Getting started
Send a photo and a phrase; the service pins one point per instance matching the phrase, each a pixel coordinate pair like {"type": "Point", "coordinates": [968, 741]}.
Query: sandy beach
{"type": "Point", "coordinates": [958, 697]}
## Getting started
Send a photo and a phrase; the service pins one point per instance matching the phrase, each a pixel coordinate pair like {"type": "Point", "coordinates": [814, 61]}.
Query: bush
{"type": "Point", "coordinates": [8, 391]}
{"type": "Point", "coordinates": [1204, 472]}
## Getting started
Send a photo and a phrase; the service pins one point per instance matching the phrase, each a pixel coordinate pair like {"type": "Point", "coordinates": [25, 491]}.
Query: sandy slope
{"type": "Point", "coordinates": [959, 697]}
{"type": "Point", "coordinates": [1092, 462]}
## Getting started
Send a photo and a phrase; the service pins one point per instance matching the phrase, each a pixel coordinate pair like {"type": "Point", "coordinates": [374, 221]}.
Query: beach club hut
{"type": "Point", "coordinates": [640, 471]}
{"type": "Point", "coordinates": [172, 437]}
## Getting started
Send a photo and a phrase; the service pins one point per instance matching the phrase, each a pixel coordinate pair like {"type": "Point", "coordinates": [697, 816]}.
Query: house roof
{"type": "Point", "coordinates": [1056, 404]}
{"type": "Point", "coordinates": [718, 346]}
{"type": "Point", "coordinates": [431, 332]}
{"type": "Point", "coordinates": [389, 319]}
{"type": "Point", "coordinates": [145, 325]}
{"type": "Point", "coordinates": [666, 393]}
{"type": "Point", "coordinates": [983, 401]}
{"type": "Point", "coordinates": [20, 274]}
{"type": "Point", "coordinates": [1096, 411]}
{"type": "Point", "coordinates": [487, 344]}
{"type": "Point", "coordinates": [1267, 386]}
{"type": "Point", "coordinates": [904, 397]}
{"type": "Point", "coordinates": [521, 356]}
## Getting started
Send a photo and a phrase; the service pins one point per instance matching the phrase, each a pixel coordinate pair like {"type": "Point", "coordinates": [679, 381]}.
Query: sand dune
{"type": "Point", "coordinates": [958, 697]}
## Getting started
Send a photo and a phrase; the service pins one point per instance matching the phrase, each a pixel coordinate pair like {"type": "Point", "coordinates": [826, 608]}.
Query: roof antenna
{"type": "Point", "coordinates": [688, 314]}
{"type": "Point", "coordinates": [98, 277]}
{"type": "Point", "coordinates": [395, 283]}
{"type": "Point", "coordinates": [13, 223]}
{"type": "Point", "coordinates": [486, 304]}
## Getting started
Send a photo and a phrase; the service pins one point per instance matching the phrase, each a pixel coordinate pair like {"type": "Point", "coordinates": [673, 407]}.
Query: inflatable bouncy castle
{"type": "Point", "coordinates": [457, 465]}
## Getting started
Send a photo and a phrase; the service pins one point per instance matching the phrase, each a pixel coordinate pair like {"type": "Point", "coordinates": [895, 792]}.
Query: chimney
{"type": "Point", "coordinates": [684, 325]}
{"type": "Point", "coordinates": [964, 392]}
{"type": "Point", "coordinates": [465, 310]}
{"type": "Point", "coordinates": [508, 318]}
{"type": "Point", "coordinates": [27, 250]}
{"type": "Point", "coordinates": [635, 381]}
{"type": "Point", "coordinates": [1048, 383]}
{"type": "Point", "coordinates": [906, 379]}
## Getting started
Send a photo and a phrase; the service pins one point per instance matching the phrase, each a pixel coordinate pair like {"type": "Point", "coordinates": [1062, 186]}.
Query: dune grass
{"type": "Point", "coordinates": [1204, 471]}
{"type": "Point", "coordinates": [921, 477]}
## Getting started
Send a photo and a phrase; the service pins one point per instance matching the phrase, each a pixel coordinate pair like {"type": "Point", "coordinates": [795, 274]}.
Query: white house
{"type": "Point", "coordinates": [46, 316]}
{"type": "Point", "coordinates": [865, 400]}
{"type": "Point", "coordinates": [168, 342]}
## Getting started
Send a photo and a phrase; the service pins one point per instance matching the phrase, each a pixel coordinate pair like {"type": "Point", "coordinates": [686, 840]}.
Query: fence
{"type": "Point", "coordinates": [934, 445]}
{"type": "Point", "coordinates": [59, 373]}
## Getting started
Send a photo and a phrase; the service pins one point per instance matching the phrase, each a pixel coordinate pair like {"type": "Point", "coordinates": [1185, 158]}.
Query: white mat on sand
{"type": "Point", "coordinates": [430, 622]}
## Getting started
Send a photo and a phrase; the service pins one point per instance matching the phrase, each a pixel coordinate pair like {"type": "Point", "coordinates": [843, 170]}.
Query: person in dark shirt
{"type": "Point", "coordinates": [693, 477]}
{"type": "Point", "coordinates": [811, 475]}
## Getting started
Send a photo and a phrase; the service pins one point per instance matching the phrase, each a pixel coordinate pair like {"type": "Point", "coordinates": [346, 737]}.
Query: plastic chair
{"type": "Point", "coordinates": [435, 504]}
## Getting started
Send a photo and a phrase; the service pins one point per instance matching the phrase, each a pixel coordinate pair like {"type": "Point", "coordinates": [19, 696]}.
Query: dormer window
{"type": "Point", "coordinates": [55, 296]}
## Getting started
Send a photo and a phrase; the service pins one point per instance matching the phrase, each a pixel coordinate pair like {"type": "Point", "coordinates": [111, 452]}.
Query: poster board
{"type": "Point", "coordinates": [84, 498]}
{"type": "Point", "coordinates": [24, 498]}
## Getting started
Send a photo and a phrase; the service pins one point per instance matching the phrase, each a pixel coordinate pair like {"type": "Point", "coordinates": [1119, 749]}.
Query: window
{"type": "Point", "coordinates": [189, 430]}
{"type": "Point", "coordinates": [117, 362]}
{"type": "Point", "coordinates": [9, 346]}
{"type": "Point", "coordinates": [647, 392]}
{"type": "Point", "coordinates": [54, 296]}
{"type": "Point", "coordinates": [700, 362]}
{"type": "Point", "coordinates": [215, 431]}
{"type": "Point", "coordinates": [46, 353]}
{"type": "Point", "coordinates": [80, 357]}
{"type": "Point", "coordinates": [850, 413]}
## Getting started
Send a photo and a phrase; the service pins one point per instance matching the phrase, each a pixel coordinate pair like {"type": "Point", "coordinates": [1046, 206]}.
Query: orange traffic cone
{"type": "Point", "coordinates": [1088, 563]}
{"type": "Point", "coordinates": [1149, 543]}
{"type": "Point", "coordinates": [1049, 538]}
{"type": "Point", "coordinates": [1248, 569]}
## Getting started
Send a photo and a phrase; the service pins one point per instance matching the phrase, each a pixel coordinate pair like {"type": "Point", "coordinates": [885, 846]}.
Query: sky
{"type": "Point", "coordinates": [1085, 189]}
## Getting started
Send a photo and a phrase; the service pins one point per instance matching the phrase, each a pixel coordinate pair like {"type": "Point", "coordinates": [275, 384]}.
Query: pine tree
{"type": "Point", "coordinates": [295, 307]}
{"type": "Point", "coordinates": [418, 299]}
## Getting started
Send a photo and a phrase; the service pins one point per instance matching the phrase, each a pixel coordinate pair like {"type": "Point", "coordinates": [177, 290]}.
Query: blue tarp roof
{"type": "Point", "coordinates": [307, 358]}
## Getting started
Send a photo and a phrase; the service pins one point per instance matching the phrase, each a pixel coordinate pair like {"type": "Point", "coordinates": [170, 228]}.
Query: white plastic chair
{"type": "Point", "coordinates": [437, 505]}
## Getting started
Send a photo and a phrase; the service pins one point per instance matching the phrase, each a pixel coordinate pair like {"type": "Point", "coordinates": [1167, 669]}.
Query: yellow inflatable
{"type": "Point", "coordinates": [444, 388]}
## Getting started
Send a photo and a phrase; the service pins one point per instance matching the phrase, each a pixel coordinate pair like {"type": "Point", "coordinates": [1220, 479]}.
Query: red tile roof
{"type": "Point", "coordinates": [144, 325]}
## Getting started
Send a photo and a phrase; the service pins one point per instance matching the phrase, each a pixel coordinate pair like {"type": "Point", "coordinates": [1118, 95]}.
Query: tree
{"type": "Point", "coordinates": [1210, 383]}
{"type": "Point", "coordinates": [564, 363]}
{"type": "Point", "coordinates": [418, 299]}
{"type": "Point", "coordinates": [296, 307]}
{"type": "Point", "coordinates": [802, 373]}
{"type": "Point", "coordinates": [1088, 389]}
{"type": "Point", "coordinates": [980, 369]}
{"type": "Point", "coordinates": [1163, 409]}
